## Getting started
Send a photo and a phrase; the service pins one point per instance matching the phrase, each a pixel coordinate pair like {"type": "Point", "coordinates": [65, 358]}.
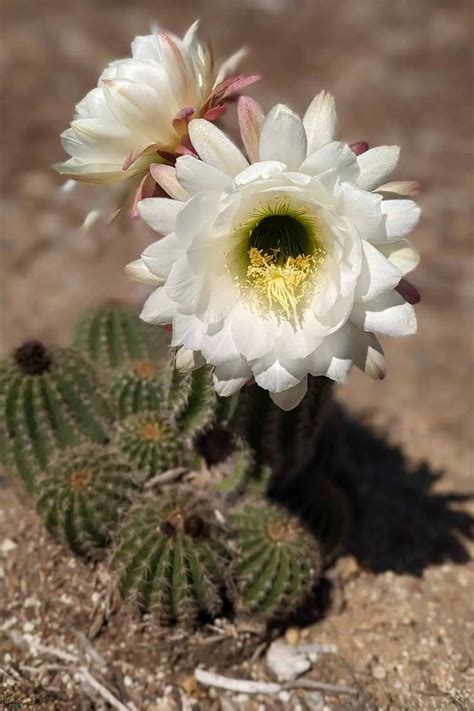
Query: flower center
{"type": "Point", "coordinates": [282, 248]}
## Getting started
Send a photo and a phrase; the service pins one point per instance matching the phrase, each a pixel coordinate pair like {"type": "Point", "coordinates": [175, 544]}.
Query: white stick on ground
{"type": "Point", "coordinates": [248, 686]}
{"type": "Point", "coordinates": [102, 690]}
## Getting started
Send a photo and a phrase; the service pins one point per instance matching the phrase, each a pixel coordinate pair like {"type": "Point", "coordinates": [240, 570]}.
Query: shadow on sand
{"type": "Point", "coordinates": [399, 522]}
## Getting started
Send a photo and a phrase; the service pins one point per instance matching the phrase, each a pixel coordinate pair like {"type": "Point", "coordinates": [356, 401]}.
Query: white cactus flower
{"type": "Point", "coordinates": [285, 267]}
{"type": "Point", "coordinates": [139, 112]}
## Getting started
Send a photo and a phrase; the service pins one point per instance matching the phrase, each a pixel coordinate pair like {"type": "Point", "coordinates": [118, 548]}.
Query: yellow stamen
{"type": "Point", "coordinates": [280, 285]}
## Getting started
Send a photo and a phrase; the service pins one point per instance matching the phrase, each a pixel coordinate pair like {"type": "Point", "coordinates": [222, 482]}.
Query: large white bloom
{"type": "Point", "coordinates": [142, 105]}
{"type": "Point", "coordinates": [286, 267]}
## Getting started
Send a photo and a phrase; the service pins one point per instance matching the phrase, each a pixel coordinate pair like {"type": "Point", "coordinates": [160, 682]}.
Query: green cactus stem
{"type": "Point", "coordinates": [138, 387]}
{"type": "Point", "coordinates": [83, 496]}
{"type": "Point", "coordinates": [114, 336]}
{"type": "Point", "coordinates": [277, 561]}
{"type": "Point", "coordinates": [284, 441]}
{"type": "Point", "coordinates": [170, 560]}
{"type": "Point", "coordinates": [152, 444]}
{"type": "Point", "coordinates": [49, 399]}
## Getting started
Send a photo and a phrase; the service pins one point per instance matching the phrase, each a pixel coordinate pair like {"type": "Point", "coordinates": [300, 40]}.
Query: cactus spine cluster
{"type": "Point", "coordinates": [151, 443]}
{"type": "Point", "coordinates": [116, 336]}
{"type": "Point", "coordinates": [277, 560]}
{"type": "Point", "coordinates": [50, 399]}
{"type": "Point", "coordinates": [84, 495]}
{"type": "Point", "coordinates": [169, 559]}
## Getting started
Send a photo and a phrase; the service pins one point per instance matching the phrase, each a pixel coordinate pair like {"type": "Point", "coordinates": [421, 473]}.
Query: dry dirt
{"type": "Point", "coordinates": [399, 605]}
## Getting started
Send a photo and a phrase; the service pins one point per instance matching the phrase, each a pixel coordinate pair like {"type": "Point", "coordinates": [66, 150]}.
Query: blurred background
{"type": "Point", "coordinates": [402, 73]}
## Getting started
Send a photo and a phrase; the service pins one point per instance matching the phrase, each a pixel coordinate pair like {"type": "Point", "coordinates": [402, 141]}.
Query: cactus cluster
{"type": "Point", "coordinates": [86, 428]}
{"type": "Point", "coordinates": [84, 495]}
{"type": "Point", "coordinates": [50, 399]}
{"type": "Point", "coordinates": [170, 560]}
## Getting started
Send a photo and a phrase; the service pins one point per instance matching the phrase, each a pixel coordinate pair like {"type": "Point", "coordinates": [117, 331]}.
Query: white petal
{"type": "Point", "coordinates": [138, 271]}
{"type": "Point", "coordinates": [376, 164]}
{"type": "Point", "coordinates": [283, 137]}
{"type": "Point", "coordinates": [160, 256]}
{"type": "Point", "coordinates": [213, 147]}
{"type": "Point", "coordinates": [362, 209]}
{"type": "Point", "coordinates": [377, 274]}
{"type": "Point", "coordinates": [251, 118]}
{"type": "Point", "coordinates": [182, 286]}
{"type": "Point", "coordinates": [230, 65]}
{"type": "Point", "coordinates": [160, 213]}
{"type": "Point", "coordinates": [401, 254]}
{"type": "Point", "coordinates": [259, 171]}
{"type": "Point", "coordinates": [400, 187]}
{"type": "Point", "coordinates": [188, 331]}
{"type": "Point", "coordinates": [187, 360]}
{"type": "Point", "coordinates": [165, 176]}
{"type": "Point", "coordinates": [253, 335]}
{"type": "Point", "coordinates": [158, 308]}
{"type": "Point", "coordinates": [196, 176]}
{"type": "Point", "coordinates": [368, 353]}
{"type": "Point", "coordinates": [389, 314]}
{"type": "Point", "coordinates": [218, 346]}
{"type": "Point", "coordinates": [273, 375]}
{"type": "Point", "coordinates": [333, 358]}
{"type": "Point", "coordinates": [333, 155]}
{"type": "Point", "coordinates": [290, 398]}
{"type": "Point", "coordinates": [401, 216]}
{"type": "Point", "coordinates": [298, 341]}
{"type": "Point", "coordinates": [231, 377]}
{"type": "Point", "coordinates": [320, 121]}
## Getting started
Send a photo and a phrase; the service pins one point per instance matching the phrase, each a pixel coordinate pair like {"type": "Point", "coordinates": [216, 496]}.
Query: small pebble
{"type": "Point", "coordinates": [293, 635]}
{"type": "Point", "coordinates": [378, 672]}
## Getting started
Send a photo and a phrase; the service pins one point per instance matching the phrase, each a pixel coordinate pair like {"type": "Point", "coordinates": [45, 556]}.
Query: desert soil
{"type": "Point", "coordinates": [398, 606]}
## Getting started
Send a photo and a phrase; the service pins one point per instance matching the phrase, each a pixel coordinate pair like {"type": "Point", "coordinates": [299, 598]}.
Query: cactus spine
{"type": "Point", "coordinates": [169, 559]}
{"type": "Point", "coordinates": [276, 562]}
{"type": "Point", "coordinates": [83, 496]}
{"type": "Point", "coordinates": [115, 336]}
{"type": "Point", "coordinates": [49, 399]}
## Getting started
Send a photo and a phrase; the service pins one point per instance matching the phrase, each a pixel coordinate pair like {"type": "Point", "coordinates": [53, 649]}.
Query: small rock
{"type": "Point", "coordinates": [293, 636]}
{"type": "Point", "coordinates": [285, 662]}
{"type": "Point", "coordinates": [7, 546]}
{"type": "Point", "coordinates": [378, 672]}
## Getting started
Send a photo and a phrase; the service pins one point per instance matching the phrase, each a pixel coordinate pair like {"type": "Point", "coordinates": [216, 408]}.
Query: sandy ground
{"type": "Point", "coordinates": [399, 606]}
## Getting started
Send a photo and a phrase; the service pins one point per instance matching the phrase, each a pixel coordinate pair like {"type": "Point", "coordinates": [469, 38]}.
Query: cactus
{"type": "Point", "coordinates": [83, 496]}
{"type": "Point", "coordinates": [169, 558]}
{"type": "Point", "coordinates": [285, 441]}
{"type": "Point", "coordinates": [138, 387]}
{"type": "Point", "coordinates": [151, 443]}
{"type": "Point", "coordinates": [49, 399]}
{"type": "Point", "coordinates": [191, 400]}
{"type": "Point", "coordinates": [115, 336]}
{"type": "Point", "coordinates": [277, 560]}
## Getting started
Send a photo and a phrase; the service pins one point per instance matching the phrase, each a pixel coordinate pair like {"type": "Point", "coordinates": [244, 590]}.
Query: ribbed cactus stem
{"type": "Point", "coordinates": [285, 441]}
{"type": "Point", "coordinates": [49, 399]}
{"type": "Point", "coordinates": [84, 495]}
{"type": "Point", "coordinates": [114, 336]}
{"type": "Point", "coordinates": [152, 444]}
{"type": "Point", "coordinates": [170, 560]}
{"type": "Point", "coordinates": [137, 387]}
{"type": "Point", "coordinates": [277, 560]}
